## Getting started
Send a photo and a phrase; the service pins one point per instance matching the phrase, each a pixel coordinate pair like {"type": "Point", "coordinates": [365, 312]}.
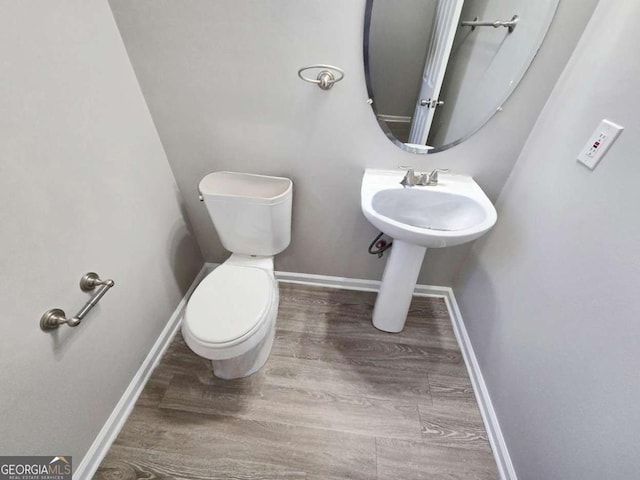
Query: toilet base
{"type": "Point", "coordinates": [247, 363]}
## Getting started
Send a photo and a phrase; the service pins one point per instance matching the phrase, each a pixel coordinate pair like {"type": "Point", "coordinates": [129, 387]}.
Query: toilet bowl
{"type": "Point", "coordinates": [230, 318]}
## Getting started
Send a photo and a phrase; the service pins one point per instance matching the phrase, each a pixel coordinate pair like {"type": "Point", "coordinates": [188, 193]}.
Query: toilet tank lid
{"type": "Point", "coordinates": [246, 185]}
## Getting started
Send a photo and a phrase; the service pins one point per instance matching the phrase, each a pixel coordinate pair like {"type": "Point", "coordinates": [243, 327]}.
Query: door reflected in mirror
{"type": "Point", "coordinates": [438, 70]}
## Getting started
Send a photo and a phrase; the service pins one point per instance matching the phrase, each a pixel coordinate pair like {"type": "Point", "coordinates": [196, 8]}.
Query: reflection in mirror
{"type": "Point", "coordinates": [437, 70]}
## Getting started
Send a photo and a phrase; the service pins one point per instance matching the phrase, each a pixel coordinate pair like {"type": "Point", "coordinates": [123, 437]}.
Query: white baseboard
{"type": "Point", "coordinates": [120, 413]}
{"type": "Point", "coordinates": [351, 283]}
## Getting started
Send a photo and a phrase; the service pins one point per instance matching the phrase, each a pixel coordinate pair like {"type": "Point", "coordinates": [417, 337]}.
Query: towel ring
{"type": "Point", "coordinates": [326, 77]}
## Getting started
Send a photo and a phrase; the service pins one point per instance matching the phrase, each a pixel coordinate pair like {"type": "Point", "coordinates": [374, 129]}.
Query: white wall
{"type": "Point", "coordinates": [550, 299]}
{"type": "Point", "coordinates": [398, 41]}
{"type": "Point", "coordinates": [487, 62]}
{"type": "Point", "coordinates": [84, 185]}
{"type": "Point", "coordinates": [220, 79]}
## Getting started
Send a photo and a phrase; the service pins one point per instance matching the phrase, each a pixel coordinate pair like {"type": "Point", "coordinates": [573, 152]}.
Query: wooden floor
{"type": "Point", "coordinates": [337, 399]}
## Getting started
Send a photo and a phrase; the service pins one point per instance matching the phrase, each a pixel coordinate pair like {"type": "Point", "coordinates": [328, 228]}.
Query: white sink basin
{"type": "Point", "coordinates": [453, 212]}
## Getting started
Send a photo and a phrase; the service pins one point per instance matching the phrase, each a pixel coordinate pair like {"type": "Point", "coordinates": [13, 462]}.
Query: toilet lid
{"type": "Point", "coordinates": [229, 303]}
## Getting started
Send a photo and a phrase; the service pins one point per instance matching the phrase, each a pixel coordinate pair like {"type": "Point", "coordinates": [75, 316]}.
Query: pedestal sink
{"type": "Point", "coordinates": [454, 211]}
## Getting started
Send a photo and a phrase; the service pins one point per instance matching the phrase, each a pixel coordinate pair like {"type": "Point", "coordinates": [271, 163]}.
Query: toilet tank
{"type": "Point", "coordinates": [251, 213]}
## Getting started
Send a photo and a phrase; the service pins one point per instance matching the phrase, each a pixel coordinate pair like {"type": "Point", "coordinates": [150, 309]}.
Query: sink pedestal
{"type": "Point", "coordinates": [398, 283]}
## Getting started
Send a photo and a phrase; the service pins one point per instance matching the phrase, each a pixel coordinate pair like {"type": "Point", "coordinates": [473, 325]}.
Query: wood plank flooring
{"type": "Point", "coordinates": [337, 400]}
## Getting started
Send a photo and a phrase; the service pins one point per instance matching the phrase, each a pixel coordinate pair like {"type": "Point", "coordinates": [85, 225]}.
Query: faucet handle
{"type": "Point", "coordinates": [409, 179]}
{"type": "Point", "coordinates": [433, 176]}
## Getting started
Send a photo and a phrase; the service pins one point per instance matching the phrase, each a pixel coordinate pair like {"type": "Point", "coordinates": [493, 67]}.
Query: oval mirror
{"type": "Point", "coordinates": [438, 70]}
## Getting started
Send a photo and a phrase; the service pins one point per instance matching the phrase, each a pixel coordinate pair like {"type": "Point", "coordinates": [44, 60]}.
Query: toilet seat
{"type": "Point", "coordinates": [229, 305]}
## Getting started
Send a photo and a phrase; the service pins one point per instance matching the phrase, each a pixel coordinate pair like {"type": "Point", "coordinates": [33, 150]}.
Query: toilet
{"type": "Point", "coordinates": [230, 318]}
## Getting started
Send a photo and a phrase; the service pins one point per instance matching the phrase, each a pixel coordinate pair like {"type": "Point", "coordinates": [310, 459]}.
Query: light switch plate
{"type": "Point", "coordinates": [598, 144]}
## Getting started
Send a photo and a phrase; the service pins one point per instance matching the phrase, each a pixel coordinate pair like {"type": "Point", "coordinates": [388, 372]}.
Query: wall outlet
{"type": "Point", "coordinates": [599, 143]}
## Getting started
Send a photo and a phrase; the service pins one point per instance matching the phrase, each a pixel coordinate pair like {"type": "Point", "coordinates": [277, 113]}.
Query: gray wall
{"type": "Point", "coordinates": [550, 299]}
{"type": "Point", "coordinates": [398, 41]}
{"type": "Point", "coordinates": [85, 185]}
{"type": "Point", "coordinates": [220, 80]}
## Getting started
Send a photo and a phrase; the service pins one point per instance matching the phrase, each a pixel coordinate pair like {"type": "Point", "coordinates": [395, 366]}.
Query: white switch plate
{"type": "Point", "coordinates": [599, 143]}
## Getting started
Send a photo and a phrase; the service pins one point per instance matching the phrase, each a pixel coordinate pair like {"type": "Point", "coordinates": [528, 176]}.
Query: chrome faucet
{"type": "Point", "coordinates": [429, 179]}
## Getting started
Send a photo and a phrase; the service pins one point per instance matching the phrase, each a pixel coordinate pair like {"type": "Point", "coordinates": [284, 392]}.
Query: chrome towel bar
{"type": "Point", "coordinates": [511, 24]}
{"type": "Point", "coordinates": [52, 319]}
